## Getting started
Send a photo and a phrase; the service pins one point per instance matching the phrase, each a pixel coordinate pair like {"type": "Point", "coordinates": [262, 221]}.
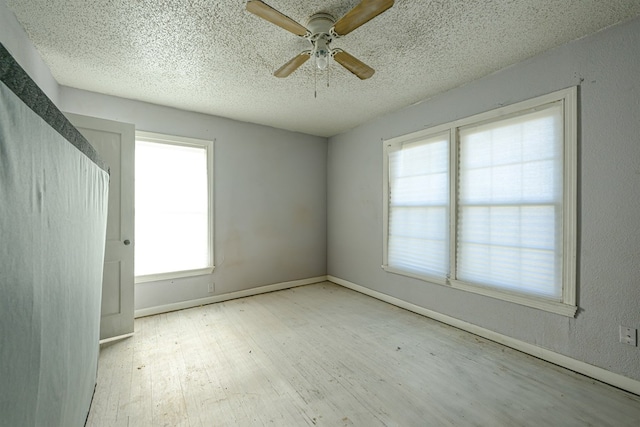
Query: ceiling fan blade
{"type": "Point", "coordinates": [364, 12]}
{"type": "Point", "coordinates": [293, 65]}
{"type": "Point", "coordinates": [268, 13]}
{"type": "Point", "coordinates": [353, 64]}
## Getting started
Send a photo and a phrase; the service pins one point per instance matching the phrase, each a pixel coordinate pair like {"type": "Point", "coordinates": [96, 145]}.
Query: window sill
{"type": "Point", "coordinates": [423, 277]}
{"type": "Point", "coordinates": [173, 275]}
{"type": "Point", "coordinates": [551, 306]}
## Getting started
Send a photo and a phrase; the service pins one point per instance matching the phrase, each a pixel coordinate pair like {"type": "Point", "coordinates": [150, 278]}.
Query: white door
{"type": "Point", "coordinates": [114, 141]}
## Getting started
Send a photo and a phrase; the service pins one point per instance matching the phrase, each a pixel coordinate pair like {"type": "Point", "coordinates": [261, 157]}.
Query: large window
{"type": "Point", "coordinates": [173, 207]}
{"type": "Point", "coordinates": [487, 204]}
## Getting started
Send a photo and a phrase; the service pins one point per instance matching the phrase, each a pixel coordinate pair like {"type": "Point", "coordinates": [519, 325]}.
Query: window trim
{"type": "Point", "coordinates": [568, 98]}
{"type": "Point", "coordinates": [208, 145]}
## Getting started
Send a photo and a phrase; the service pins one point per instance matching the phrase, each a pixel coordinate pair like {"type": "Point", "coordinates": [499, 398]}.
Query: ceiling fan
{"type": "Point", "coordinates": [322, 29]}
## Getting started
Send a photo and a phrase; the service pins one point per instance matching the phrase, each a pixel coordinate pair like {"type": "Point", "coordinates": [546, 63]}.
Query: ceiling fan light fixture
{"type": "Point", "coordinates": [321, 53]}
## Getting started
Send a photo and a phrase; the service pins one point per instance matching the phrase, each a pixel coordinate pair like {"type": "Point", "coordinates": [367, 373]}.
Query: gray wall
{"type": "Point", "coordinates": [607, 68]}
{"type": "Point", "coordinates": [270, 197]}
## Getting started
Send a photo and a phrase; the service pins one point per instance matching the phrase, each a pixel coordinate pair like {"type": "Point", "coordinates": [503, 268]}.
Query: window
{"type": "Point", "coordinates": [487, 204]}
{"type": "Point", "coordinates": [419, 206]}
{"type": "Point", "coordinates": [173, 207]}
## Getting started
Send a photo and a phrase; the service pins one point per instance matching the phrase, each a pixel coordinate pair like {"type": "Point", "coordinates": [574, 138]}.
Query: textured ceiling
{"type": "Point", "coordinates": [214, 57]}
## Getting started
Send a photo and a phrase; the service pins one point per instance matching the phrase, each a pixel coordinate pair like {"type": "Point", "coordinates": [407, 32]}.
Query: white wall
{"type": "Point", "coordinates": [15, 40]}
{"type": "Point", "coordinates": [607, 68]}
{"type": "Point", "coordinates": [270, 197]}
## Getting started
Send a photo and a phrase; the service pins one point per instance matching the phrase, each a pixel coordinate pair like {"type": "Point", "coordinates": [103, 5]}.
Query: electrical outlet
{"type": "Point", "coordinates": [628, 335]}
{"type": "Point", "coordinates": [212, 287]}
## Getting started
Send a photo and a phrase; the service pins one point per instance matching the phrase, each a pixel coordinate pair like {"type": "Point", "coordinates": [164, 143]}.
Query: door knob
{"type": "Point", "coordinates": [127, 242]}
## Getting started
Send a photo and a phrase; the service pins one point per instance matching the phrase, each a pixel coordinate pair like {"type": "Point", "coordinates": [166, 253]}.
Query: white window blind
{"type": "Point", "coordinates": [487, 204]}
{"type": "Point", "coordinates": [418, 238]}
{"type": "Point", "coordinates": [172, 209]}
{"type": "Point", "coordinates": [510, 203]}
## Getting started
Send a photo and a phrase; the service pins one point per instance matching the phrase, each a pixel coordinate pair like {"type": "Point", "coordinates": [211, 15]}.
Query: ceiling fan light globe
{"type": "Point", "coordinates": [322, 62]}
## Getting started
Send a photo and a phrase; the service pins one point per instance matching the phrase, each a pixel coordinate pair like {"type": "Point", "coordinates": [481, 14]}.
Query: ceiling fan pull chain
{"type": "Point", "coordinates": [315, 82]}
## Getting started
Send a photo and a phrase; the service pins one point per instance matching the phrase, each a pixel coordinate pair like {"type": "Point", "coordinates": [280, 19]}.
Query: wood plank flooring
{"type": "Point", "coordinates": [328, 356]}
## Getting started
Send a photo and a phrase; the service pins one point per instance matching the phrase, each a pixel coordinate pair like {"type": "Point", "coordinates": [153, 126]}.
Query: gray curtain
{"type": "Point", "coordinates": [53, 213]}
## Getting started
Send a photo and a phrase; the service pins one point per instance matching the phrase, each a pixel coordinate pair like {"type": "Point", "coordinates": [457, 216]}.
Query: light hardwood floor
{"type": "Point", "coordinates": [328, 356]}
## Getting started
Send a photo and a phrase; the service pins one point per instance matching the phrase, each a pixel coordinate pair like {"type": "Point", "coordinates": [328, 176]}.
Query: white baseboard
{"type": "Point", "coordinates": [583, 368]}
{"type": "Point", "coordinates": [150, 311]}
{"type": "Point", "coordinates": [116, 338]}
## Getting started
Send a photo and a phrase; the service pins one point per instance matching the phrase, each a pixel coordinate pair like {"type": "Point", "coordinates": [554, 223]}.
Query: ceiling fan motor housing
{"type": "Point", "coordinates": [319, 26]}
{"type": "Point", "coordinates": [320, 23]}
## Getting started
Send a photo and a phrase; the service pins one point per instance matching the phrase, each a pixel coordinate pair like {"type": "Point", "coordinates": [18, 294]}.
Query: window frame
{"type": "Point", "coordinates": [208, 146]}
{"type": "Point", "coordinates": [568, 99]}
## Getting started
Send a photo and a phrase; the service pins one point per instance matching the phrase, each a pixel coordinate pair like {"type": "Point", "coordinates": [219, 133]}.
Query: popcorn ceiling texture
{"type": "Point", "coordinates": [214, 57]}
